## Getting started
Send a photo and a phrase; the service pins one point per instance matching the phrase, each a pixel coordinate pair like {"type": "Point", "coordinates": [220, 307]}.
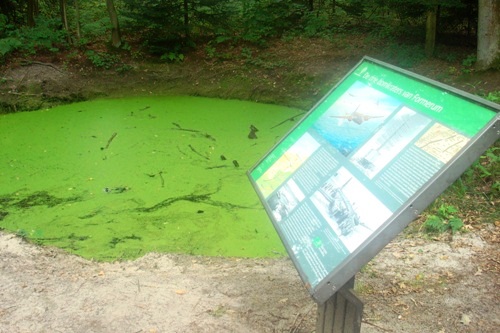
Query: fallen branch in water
{"type": "Point", "coordinates": [216, 167]}
{"type": "Point", "coordinates": [203, 134]}
{"type": "Point", "coordinates": [161, 178]}
{"type": "Point", "coordinates": [169, 201]}
{"type": "Point", "coordinates": [288, 119]}
{"type": "Point", "coordinates": [195, 198]}
{"type": "Point", "coordinates": [198, 153]}
{"type": "Point", "coordinates": [109, 141]}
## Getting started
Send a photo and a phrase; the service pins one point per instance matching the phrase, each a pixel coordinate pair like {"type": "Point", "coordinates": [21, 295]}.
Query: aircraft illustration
{"type": "Point", "coordinates": [357, 117]}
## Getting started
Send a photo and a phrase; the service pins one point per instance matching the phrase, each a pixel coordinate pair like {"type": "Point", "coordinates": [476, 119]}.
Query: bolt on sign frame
{"type": "Point", "coordinates": [363, 163]}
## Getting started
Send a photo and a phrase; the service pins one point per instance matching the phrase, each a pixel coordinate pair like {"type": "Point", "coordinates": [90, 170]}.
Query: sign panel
{"type": "Point", "coordinates": [363, 163]}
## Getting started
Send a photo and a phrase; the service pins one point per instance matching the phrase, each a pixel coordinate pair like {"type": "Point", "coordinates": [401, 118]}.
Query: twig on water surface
{"type": "Point", "coordinates": [216, 167]}
{"type": "Point", "coordinates": [205, 135]}
{"type": "Point", "coordinates": [161, 178]}
{"type": "Point", "coordinates": [109, 141]}
{"type": "Point", "coordinates": [194, 198]}
{"type": "Point", "coordinates": [288, 119]}
{"type": "Point", "coordinates": [198, 153]}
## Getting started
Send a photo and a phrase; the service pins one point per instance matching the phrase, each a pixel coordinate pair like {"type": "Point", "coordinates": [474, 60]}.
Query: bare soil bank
{"type": "Point", "coordinates": [412, 286]}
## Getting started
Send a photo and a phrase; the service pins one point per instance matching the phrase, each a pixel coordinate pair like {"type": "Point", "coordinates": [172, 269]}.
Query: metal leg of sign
{"type": "Point", "coordinates": [341, 313]}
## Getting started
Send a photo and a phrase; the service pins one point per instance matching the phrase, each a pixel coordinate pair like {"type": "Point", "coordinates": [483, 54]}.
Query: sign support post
{"type": "Point", "coordinates": [341, 313]}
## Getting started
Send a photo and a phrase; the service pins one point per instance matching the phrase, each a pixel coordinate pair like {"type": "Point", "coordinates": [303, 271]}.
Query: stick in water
{"type": "Point", "coordinates": [161, 178]}
{"type": "Point", "coordinates": [109, 141]}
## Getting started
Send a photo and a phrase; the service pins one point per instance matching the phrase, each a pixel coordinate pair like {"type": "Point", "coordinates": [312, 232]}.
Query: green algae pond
{"type": "Point", "coordinates": [116, 179]}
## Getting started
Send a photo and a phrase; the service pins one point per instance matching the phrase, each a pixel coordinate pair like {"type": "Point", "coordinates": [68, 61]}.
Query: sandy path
{"type": "Point", "coordinates": [412, 286]}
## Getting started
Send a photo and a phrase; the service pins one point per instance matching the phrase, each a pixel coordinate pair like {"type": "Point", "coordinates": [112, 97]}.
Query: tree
{"type": "Point", "coordinates": [488, 35]}
{"type": "Point", "coordinates": [33, 10]}
{"type": "Point", "coordinates": [430, 31]}
{"type": "Point", "coordinates": [64, 16]}
{"type": "Point", "coordinates": [116, 39]}
{"type": "Point", "coordinates": [8, 8]}
{"type": "Point", "coordinates": [77, 19]}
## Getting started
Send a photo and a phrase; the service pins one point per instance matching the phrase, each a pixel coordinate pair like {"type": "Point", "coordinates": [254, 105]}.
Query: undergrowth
{"type": "Point", "coordinates": [470, 201]}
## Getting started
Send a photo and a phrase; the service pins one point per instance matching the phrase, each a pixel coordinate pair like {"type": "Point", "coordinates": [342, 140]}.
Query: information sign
{"type": "Point", "coordinates": [363, 163]}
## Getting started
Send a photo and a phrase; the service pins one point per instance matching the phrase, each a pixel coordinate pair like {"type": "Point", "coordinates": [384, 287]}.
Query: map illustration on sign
{"type": "Point", "coordinates": [360, 159]}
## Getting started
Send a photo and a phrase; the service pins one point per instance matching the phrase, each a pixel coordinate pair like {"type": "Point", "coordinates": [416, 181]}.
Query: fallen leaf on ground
{"type": "Point", "coordinates": [465, 319]}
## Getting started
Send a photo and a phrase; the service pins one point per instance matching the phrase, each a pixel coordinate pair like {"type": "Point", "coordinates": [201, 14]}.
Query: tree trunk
{"type": "Point", "coordinates": [32, 12]}
{"type": "Point", "coordinates": [430, 31]}
{"type": "Point", "coordinates": [8, 8]}
{"type": "Point", "coordinates": [78, 27]}
{"type": "Point", "coordinates": [116, 39]}
{"type": "Point", "coordinates": [64, 18]}
{"type": "Point", "coordinates": [186, 18]}
{"type": "Point", "coordinates": [488, 34]}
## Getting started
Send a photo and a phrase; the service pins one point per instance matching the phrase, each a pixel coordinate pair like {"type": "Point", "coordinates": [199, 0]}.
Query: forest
{"type": "Point", "coordinates": [170, 29]}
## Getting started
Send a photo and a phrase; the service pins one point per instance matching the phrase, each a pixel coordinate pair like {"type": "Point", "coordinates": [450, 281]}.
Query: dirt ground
{"type": "Point", "coordinates": [417, 284]}
{"type": "Point", "coordinates": [412, 286]}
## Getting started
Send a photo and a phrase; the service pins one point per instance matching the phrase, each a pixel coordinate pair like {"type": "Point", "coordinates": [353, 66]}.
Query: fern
{"type": "Point", "coordinates": [9, 45]}
{"type": "Point", "coordinates": [443, 221]}
{"type": "Point", "coordinates": [455, 224]}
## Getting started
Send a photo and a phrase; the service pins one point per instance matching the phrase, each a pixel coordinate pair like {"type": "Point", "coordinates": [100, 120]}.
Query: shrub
{"type": "Point", "coordinates": [443, 220]}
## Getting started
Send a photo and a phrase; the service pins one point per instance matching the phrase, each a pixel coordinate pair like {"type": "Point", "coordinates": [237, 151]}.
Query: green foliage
{"type": "Point", "coordinates": [488, 169]}
{"type": "Point", "coordinates": [405, 55]}
{"type": "Point", "coordinates": [95, 29]}
{"type": "Point", "coordinates": [354, 8]}
{"type": "Point", "coordinates": [468, 62]}
{"type": "Point", "coordinates": [270, 18]}
{"type": "Point", "coordinates": [172, 57]}
{"type": "Point", "coordinates": [102, 59]}
{"type": "Point", "coordinates": [493, 96]}
{"type": "Point", "coordinates": [123, 68]}
{"type": "Point", "coordinates": [485, 173]}
{"type": "Point", "coordinates": [94, 21]}
{"type": "Point", "coordinates": [3, 24]}
{"type": "Point", "coordinates": [9, 45]}
{"type": "Point", "coordinates": [167, 28]}
{"type": "Point", "coordinates": [166, 25]}
{"type": "Point", "coordinates": [443, 220]}
{"type": "Point", "coordinates": [46, 36]}
{"type": "Point", "coordinates": [21, 233]}
{"type": "Point", "coordinates": [315, 24]}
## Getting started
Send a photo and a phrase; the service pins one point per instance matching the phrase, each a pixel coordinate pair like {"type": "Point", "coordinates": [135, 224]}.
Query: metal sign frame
{"type": "Point", "coordinates": [363, 163]}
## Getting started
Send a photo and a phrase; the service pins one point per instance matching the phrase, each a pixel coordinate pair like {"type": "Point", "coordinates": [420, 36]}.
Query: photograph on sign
{"type": "Point", "coordinates": [357, 158]}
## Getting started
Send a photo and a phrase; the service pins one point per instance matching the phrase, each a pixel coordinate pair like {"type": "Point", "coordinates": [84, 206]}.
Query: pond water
{"type": "Point", "coordinates": [115, 179]}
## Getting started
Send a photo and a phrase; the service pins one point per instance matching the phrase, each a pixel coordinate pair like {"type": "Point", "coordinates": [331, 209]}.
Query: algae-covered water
{"type": "Point", "coordinates": [115, 179]}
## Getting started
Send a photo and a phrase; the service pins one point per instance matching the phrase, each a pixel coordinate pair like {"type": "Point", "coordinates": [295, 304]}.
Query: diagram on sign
{"type": "Point", "coordinates": [442, 142]}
